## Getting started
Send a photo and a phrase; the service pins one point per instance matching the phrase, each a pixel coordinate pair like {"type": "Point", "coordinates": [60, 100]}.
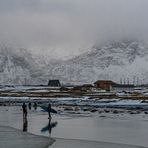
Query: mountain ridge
{"type": "Point", "coordinates": [114, 61]}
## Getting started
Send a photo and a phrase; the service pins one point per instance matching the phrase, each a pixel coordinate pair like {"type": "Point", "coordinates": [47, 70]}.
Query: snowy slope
{"type": "Point", "coordinates": [17, 67]}
{"type": "Point", "coordinates": [116, 60]}
{"type": "Point", "coordinates": [125, 59]}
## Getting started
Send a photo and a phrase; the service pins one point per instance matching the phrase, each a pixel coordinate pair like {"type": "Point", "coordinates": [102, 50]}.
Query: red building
{"type": "Point", "coordinates": [104, 84]}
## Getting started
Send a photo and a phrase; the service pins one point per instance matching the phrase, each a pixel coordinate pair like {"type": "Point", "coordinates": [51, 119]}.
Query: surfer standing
{"type": "Point", "coordinates": [35, 106]}
{"type": "Point", "coordinates": [49, 111]}
{"type": "Point", "coordinates": [24, 107]}
{"type": "Point", "coordinates": [29, 105]}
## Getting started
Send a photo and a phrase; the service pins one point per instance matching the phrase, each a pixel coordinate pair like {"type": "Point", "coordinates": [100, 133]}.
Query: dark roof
{"type": "Point", "coordinates": [54, 83]}
{"type": "Point", "coordinates": [105, 82]}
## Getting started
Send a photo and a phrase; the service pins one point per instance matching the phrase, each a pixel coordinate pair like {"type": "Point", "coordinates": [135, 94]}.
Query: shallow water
{"type": "Point", "coordinates": [117, 128]}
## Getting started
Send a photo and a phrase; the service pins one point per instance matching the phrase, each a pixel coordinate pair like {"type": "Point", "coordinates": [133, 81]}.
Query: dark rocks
{"type": "Point", "coordinates": [115, 111]}
{"type": "Point", "coordinates": [106, 111]}
{"type": "Point", "coordinates": [93, 110]}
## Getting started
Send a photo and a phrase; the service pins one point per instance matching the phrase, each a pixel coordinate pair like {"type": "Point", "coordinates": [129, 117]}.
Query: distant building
{"type": "Point", "coordinates": [54, 83]}
{"type": "Point", "coordinates": [110, 85]}
{"type": "Point", "coordinates": [104, 84]}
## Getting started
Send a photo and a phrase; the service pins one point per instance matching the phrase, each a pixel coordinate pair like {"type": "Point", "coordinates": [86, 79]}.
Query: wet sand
{"type": "Point", "coordinates": [72, 143]}
{"type": "Point", "coordinates": [12, 138]}
{"type": "Point", "coordinates": [121, 128]}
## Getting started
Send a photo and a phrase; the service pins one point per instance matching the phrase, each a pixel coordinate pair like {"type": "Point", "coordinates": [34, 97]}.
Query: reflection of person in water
{"type": "Point", "coordinates": [25, 124]}
{"type": "Point", "coordinates": [49, 126]}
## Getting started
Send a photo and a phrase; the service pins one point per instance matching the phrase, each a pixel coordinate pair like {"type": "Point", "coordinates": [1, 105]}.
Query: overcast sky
{"type": "Point", "coordinates": [67, 27]}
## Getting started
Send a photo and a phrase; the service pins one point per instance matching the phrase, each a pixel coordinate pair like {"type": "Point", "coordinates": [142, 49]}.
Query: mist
{"type": "Point", "coordinates": [64, 28]}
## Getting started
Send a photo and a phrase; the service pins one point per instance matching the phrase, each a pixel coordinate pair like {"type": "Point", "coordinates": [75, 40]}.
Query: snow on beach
{"type": "Point", "coordinates": [99, 102]}
{"type": "Point", "coordinates": [79, 101]}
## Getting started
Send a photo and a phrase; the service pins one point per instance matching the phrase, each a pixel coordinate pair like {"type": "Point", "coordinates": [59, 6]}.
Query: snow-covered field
{"type": "Point", "coordinates": [83, 101]}
{"type": "Point", "coordinates": [30, 93]}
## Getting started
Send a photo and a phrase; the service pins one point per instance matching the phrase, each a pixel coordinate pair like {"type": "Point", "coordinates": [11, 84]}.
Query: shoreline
{"type": "Point", "coordinates": [29, 140]}
{"type": "Point", "coordinates": [12, 138]}
{"type": "Point", "coordinates": [108, 125]}
{"type": "Point", "coordinates": [72, 143]}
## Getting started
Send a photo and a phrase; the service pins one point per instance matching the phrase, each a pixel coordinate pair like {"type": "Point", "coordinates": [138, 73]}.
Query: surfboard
{"type": "Point", "coordinates": [45, 108]}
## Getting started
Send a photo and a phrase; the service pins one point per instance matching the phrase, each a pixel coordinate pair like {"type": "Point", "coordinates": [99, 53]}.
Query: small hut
{"type": "Point", "coordinates": [54, 83]}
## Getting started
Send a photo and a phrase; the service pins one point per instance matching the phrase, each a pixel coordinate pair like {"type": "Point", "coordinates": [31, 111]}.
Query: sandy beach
{"type": "Point", "coordinates": [75, 129]}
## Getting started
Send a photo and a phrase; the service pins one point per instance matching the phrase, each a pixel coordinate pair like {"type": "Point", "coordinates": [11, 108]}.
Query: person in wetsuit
{"type": "Point", "coordinates": [24, 107]}
{"type": "Point", "coordinates": [29, 105]}
{"type": "Point", "coordinates": [49, 111]}
{"type": "Point", "coordinates": [35, 106]}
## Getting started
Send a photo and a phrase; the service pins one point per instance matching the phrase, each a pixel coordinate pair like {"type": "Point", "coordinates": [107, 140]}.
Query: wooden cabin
{"type": "Point", "coordinates": [110, 85]}
{"type": "Point", "coordinates": [104, 84]}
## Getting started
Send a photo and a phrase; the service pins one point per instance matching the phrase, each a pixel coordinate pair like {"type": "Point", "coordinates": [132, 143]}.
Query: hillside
{"type": "Point", "coordinates": [117, 60]}
{"type": "Point", "coordinates": [17, 67]}
{"type": "Point", "coordinates": [124, 60]}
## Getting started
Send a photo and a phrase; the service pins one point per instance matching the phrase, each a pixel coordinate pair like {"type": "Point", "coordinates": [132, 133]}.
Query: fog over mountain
{"type": "Point", "coordinates": [63, 28]}
{"type": "Point", "coordinates": [78, 41]}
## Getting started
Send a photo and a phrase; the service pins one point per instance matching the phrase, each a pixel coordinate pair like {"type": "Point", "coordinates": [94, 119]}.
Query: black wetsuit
{"type": "Point", "coordinates": [24, 107]}
{"type": "Point", "coordinates": [49, 110]}
{"type": "Point", "coordinates": [35, 106]}
{"type": "Point", "coordinates": [29, 105]}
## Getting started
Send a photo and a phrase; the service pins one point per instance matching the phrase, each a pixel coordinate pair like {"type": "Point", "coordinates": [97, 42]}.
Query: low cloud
{"type": "Point", "coordinates": [67, 27]}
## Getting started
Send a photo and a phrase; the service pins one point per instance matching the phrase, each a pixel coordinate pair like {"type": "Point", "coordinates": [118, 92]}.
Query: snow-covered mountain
{"type": "Point", "coordinates": [17, 67]}
{"type": "Point", "coordinates": [124, 60]}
